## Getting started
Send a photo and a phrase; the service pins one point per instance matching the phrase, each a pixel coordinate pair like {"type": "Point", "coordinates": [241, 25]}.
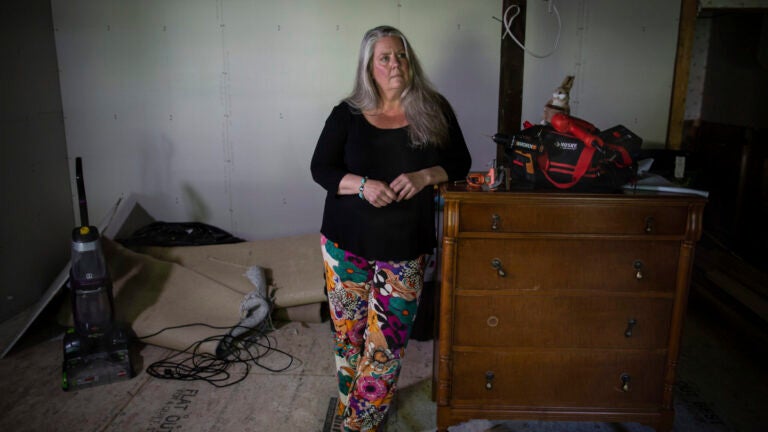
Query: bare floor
{"type": "Point", "coordinates": [721, 387]}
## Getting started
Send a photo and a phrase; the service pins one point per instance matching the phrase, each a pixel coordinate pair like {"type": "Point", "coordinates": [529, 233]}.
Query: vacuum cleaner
{"type": "Point", "coordinates": [96, 349]}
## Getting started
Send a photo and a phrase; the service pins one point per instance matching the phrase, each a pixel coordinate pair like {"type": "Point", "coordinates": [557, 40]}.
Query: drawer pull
{"type": "Point", "coordinates": [638, 265]}
{"type": "Point", "coordinates": [496, 263]}
{"type": "Point", "coordinates": [492, 321]}
{"type": "Point", "coordinates": [495, 222]}
{"type": "Point", "coordinates": [625, 378]}
{"type": "Point", "coordinates": [650, 225]}
{"type": "Point", "coordinates": [489, 380]}
{"type": "Point", "coordinates": [630, 325]}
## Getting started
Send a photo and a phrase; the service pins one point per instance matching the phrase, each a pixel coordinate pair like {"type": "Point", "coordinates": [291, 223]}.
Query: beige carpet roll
{"type": "Point", "coordinates": [293, 266]}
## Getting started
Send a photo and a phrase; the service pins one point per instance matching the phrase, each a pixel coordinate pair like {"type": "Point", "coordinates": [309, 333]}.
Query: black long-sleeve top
{"type": "Point", "coordinates": [401, 230]}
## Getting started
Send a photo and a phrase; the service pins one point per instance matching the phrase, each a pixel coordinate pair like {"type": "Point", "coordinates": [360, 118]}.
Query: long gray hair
{"type": "Point", "coordinates": [425, 109]}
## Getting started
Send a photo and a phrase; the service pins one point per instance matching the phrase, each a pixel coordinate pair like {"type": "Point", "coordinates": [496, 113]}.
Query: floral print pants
{"type": "Point", "coordinates": [373, 305]}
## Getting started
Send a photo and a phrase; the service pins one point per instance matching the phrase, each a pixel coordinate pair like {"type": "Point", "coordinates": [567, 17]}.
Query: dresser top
{"type": "Point", "coordinates": [462, 191]}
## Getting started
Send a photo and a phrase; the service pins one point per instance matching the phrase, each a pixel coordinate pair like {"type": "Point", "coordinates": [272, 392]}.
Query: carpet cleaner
{"type": "Point", "coordinates": [96, 349]}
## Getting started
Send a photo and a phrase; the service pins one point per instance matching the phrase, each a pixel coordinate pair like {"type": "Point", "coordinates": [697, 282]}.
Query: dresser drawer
{"type": "Point", "coordinates": [572, 218]}
{"type": "Point", "coordinates": [558, 264]}
{"type": "Point", "coordinates": [561, 322]}
{"type": "Point", "coordinates": [558, 378]}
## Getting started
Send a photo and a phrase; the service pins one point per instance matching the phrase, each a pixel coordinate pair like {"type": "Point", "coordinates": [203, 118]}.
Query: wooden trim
{"type": "Point", "coordinates": [445, 331]}
{"type": "Point", "coordinates": [686, 30]}
{"type": "Point", "coordinates": [511, 76]}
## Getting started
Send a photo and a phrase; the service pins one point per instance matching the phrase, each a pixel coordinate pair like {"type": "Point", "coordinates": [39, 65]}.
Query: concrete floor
{"type": "Point", "coordinates": [722, 387]}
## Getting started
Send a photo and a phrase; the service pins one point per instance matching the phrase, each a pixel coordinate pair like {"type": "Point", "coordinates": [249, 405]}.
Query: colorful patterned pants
{"type": "Point", "coordinates": [373, 305]}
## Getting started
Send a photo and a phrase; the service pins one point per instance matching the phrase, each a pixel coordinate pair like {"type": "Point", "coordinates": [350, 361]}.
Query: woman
{"type": "Point", "coordinates": [380, 153]}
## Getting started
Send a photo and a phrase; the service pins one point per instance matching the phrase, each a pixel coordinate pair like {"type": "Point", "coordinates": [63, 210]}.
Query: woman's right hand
{"type": "Point", "coordinates": [378, 193]}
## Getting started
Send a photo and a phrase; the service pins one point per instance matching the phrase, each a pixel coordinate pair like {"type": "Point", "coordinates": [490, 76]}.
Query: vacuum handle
{"type": "Point", "coordinates": [81, 192]}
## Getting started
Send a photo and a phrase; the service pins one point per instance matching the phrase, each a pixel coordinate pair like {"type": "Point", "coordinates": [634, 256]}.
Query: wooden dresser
{"type": "Point", "coordinates": [562, 306]}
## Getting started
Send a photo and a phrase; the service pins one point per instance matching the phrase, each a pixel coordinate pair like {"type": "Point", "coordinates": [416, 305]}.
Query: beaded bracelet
{"type": "Point", "coordinates": [362, 185]}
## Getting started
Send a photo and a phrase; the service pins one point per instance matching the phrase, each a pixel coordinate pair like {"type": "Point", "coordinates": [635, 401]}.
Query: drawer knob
{"type": "Point", "coordinates": [492, 321]}
{"type": "Point", "coordinates": [489, 380]}
{"type": "Point", "coordinates": [625, 378]}
{"type": "Point", "coordinates": [630, 325]}
{"type": "Point", "coordinates": [496, 263]}
{"type": "Point", "coordinates": [650, 225]}
{"type": "Point", "coordinates": [495, 222]}
{"type": "Point", "coordinates": [638, 265]}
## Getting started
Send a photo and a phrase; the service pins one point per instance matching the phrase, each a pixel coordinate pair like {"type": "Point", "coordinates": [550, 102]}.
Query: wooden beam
{"type": "Point", "coordinates": [511, 75]}
{"type": "Point", "coordinates": [686, 29]}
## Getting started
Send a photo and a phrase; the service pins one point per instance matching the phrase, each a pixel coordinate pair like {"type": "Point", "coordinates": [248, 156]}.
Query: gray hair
{"type": "Point", "coordinates": [425, 109]}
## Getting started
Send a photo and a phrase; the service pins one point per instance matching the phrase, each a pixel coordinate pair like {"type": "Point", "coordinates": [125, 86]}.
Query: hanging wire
{"type": "Point", "coordinates": [507, 22]}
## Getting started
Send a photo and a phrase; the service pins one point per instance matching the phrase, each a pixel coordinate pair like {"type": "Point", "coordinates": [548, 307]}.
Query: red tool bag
{"type": "Point", "coordinates": [572, 154]}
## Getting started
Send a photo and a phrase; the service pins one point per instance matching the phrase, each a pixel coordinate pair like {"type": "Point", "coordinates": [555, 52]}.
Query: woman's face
{"type": "Point", "coordinates": [390, 64]}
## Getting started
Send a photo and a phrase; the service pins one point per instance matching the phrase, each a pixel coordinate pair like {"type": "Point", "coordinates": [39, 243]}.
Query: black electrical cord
{"type": "Point", "coordinates": [245, 350]}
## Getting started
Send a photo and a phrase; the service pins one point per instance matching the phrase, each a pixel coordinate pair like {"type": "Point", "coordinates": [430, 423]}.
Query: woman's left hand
{"type": "Point", "coordinates": [407, 185]}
